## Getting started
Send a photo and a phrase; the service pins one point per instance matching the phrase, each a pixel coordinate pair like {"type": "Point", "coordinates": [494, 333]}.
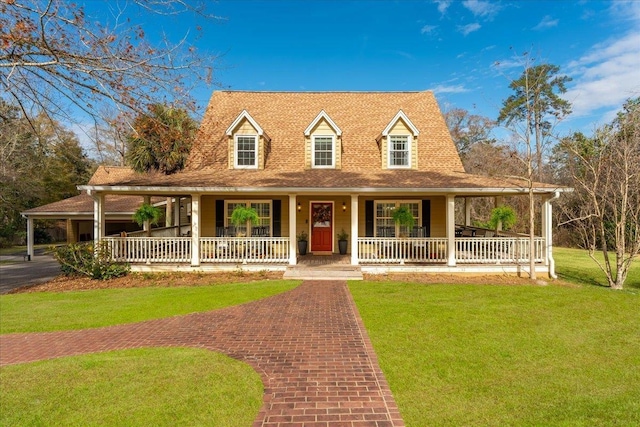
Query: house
{"type": "Point", "coordinates": [320, 163]}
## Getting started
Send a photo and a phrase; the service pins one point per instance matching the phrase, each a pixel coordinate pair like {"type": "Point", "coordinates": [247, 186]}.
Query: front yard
{"type": "Point", "coordinates": [454, 354]}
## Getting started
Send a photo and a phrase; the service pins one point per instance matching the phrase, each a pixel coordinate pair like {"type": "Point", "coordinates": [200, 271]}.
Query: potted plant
{"type": "Point", "coordinates": [243, 215]}
{"type": "Point", "coordinates": [343, 239]}
{"type": "Point", "coordinates": [147, 212]}
{"type": "Point", "coordinates": [403, 217]}
{"type": "Point", "coordinates": [303, 239]}
{"type": "Point", "coordinates": [502, 217]}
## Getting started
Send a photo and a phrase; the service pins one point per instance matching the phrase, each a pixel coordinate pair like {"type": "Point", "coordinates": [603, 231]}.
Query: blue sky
{"type": "Point", "coordinates": [465, 51]}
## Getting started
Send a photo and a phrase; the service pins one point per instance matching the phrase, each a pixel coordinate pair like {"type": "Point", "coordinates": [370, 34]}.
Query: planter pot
{"type": "Point", "coordinates": [342, 246]}
{"type": "Point", "coordinates": [302, 247]}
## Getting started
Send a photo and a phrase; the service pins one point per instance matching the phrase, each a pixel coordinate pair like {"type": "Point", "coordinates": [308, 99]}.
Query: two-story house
{"type": "Point", "coordinates": [318, 163]}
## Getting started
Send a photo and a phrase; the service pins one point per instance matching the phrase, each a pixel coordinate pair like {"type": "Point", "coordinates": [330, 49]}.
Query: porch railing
{"type": "Point", "coordinates": [472, 250]}
{"type": "Point", "coordinates": [498, 250]}
{"type": "Point", "coordinates": [244, 249]}
{"type": "Point", "coordinates": [392, 250]}
{"type": "Point", "coordinates": [150, 249]}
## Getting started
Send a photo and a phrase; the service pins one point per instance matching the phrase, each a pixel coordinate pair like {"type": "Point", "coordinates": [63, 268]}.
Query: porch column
{"type": "Point", "coordinates": [547, 232]}
{"type": "Point", "coordinates": [147, 225]}
{"type": "Point", "coordinates": [451, 230]}
{"type": "Point", "coordinates": [195, 230]}
{"type": "Point", "coordinates": [98, 217]}
{"type": "Point", "coordinates": [293, 213]}
{"type": "Point", "coordinates": [176, 215]}
{"type": "Point", "coordinates": [467, 211]}
{"type": "Point", "coordinates": [29, 238]}
{"type": "Point", "coordinates": [354, 229]}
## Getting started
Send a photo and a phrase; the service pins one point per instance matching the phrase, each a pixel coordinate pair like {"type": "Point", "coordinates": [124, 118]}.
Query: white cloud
{"type": "Point", "coordinates": [450, 89]}
{"type": "Point", "coordinates": [443, 5]}
{"type": "Point", "coordinates": [428, 29]}
{"type": "Point", "coordinates": [606, 76]}
{"type": "Point", "coordinates": [469, 28]}
{"type": "Point", "coordinates": [484, 9]}
{"type": "Point", "coordinates": [547, 22]}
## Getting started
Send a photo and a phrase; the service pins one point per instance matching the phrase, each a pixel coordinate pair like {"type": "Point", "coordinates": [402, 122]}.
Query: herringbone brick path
{"type": "Point", "coordinates": [309, 345]}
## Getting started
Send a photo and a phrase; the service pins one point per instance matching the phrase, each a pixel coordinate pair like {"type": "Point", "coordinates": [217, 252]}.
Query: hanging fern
{"type": "Point", "coordinates": [242, 214]}
{"type": "Point", "coordinates": [147, 212]}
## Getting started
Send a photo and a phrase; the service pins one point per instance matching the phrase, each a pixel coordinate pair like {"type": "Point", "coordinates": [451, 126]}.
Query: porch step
{"type": "Point", "coordinates": [303, 272]}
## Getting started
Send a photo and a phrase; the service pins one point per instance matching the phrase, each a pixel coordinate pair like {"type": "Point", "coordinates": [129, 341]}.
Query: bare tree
{"type": "Point", "coordinates": [468, 129]}
{"type": "Point", "coordinates": [605, 171]}
{"type": "Point", "coordinates": [56, 58]}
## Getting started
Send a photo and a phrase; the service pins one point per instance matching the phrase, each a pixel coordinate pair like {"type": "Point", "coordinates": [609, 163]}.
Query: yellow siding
{"type": "Point", "coordinates": [208, 216]}
{"type": "Point", "coordinates": [438, 216]}
{"type": "Point", "coordinates": [72, 231]}
{"type": "Point", "coordinates": [322, 128]}
{"type": "Point", "coordinates": [246, 128]}
{"type": "Point", "coordinates": [400, 128]}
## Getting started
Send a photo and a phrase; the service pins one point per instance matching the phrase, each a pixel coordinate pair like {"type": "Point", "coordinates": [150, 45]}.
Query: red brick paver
{"type": "Point", "coordinates": [309, 345]}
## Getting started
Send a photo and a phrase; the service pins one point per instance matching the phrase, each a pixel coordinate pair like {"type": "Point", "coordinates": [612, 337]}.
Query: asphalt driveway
{"type": "Point", "coordinates": [16, 272]}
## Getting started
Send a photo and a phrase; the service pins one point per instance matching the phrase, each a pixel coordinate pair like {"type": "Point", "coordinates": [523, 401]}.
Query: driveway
{"type": "Point", "coordinates": [16, 272]}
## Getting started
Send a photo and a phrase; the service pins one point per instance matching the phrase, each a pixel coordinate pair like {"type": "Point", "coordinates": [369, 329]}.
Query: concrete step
{"type": "Point", "coordinates": [323, 273]}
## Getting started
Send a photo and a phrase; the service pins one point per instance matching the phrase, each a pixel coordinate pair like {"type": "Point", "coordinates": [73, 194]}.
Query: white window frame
{"type": "Point", "coordinates": [248, 203]}
{"type": "Point", "coordinates": [333, 152]}
{"type": "Point", "coordinates": [409, 152]}
{"type": "Point", "coordinates": [235, 151]}
{"type": "Point", "coordinates": [397, 203]}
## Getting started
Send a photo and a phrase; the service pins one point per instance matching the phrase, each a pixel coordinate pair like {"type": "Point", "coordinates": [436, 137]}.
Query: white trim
{"type": "Point", "coordinates": [322, 115]}
{"type": "Point", "coordinates": [403, 116]}
{"type": "Point", "coordinates": [409, 146]}
{"type": "Point", "coordinates": [244, 115]}
{"type": "Point", "coordinates": [333, 152]}
{"type": "Point", "coordinates": [235, 151]}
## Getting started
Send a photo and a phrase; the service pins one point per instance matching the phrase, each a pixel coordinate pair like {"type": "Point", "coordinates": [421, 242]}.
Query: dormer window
{"type": "Point", "coordinates": [323, 151]}
{"type": "Point", "coordinates": [247, 142]}
{"type": "Point", "coordinates": [399, 151]}
{"type": "Point", "coordinates": [322, 138]}
{"type": "Point", "coordinates": [399, 143]}
{"type": "Point", "coordinates": [246, 151]}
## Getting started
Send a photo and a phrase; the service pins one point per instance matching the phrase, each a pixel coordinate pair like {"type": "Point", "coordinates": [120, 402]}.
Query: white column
{"type": "Point", "coordinates": [467, 211]}
{"type": "Point", "coordinates": [547, 233]}
{"type": "Point", "coordinates": [544, 225]}
{"type": "Point", "coordinates": [147, 226]}
{"type": "Point", "coordinates": [451, 230]}
{"type": "Point", "coordinates": [354, 229]}
{"type": "Point", "coordinates": [98, 217]}
{"type": "Point", "coordinates": [195, 230]}
{"type": "Point", "coordinates": [176, 215]}
{"type": "Point", "coordinates": [29, 238]}
{"type": "Point", "coordinates": [293, 258]}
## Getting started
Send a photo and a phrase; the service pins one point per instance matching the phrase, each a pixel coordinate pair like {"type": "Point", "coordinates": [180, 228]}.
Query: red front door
{"type": "Point", "coordinates": [321, 227]}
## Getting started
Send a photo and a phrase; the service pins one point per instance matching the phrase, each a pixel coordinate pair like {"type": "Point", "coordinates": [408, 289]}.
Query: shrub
{"type": "Point", "coordinates": [83, 259]}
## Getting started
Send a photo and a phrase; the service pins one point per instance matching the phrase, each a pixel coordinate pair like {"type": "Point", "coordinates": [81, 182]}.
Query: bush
{"type": "Point", "coordinates": [81, 259]}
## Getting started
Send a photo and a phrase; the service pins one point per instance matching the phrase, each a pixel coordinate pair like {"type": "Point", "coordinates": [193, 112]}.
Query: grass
{"type": "Point", "coordinates": [41, 312]}
{"type": "Point", "coordinates": [159, 387]}
{"type": "Point", "coordinates": [506, 355]}
{"type": "Point", "coordinates": [574, 265]}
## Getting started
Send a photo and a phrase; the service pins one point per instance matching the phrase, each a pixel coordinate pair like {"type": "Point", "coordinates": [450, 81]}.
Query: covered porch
{"type": "Point", "coordinates": [435, 244]}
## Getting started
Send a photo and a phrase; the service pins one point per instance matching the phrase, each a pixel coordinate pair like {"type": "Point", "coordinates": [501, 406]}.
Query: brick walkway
{"type": "Point", "coordinates": [309, 345]}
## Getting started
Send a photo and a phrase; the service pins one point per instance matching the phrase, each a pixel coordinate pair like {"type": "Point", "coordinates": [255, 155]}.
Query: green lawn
{"type": "Point", "coordinates": [574, 265]}
{"type": "Point", "coordinates": [46, 311]}
{"type": "Point", "coordinates": [488, 355]}
{"type": "Point", "coordinates": [143, 387]}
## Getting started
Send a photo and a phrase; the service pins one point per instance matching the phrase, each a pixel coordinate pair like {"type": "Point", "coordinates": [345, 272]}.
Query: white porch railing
{"type": "Point", "coordinates": [150, 249]}
{"type": "Point", "coordinates": [471, 250]}
{"type": "Point", "coordinates": [498, 250]}
{"type": "Point", "coordinates": [392, 250]}
{"type": "Point", "coordinates": [244, 249]}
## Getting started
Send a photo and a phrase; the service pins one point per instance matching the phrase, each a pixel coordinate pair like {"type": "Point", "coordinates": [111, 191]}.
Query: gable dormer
{"type": "Point", "coordinates": [323, 143]}
{"type": "Point", "coordinates": [399, 143]}
{"type": "Point", "coordinates": [248, 143]}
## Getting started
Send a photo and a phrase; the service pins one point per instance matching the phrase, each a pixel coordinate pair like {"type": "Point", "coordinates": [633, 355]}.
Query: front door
{"type": "Point", "coordinates": [321, 227]}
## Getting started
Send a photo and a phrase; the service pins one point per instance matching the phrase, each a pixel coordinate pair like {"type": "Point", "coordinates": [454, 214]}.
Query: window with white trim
{"type": "Point", "coordinates": [246, 151]}
{"type": "Point", "coordinates": [386, 226]}
{"type": "Point", "coordinates": [263, 209]}
{"type": "Point", "coordinates": [323, 151]}
{"type": "Point", "coordinates": [399, 147]}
